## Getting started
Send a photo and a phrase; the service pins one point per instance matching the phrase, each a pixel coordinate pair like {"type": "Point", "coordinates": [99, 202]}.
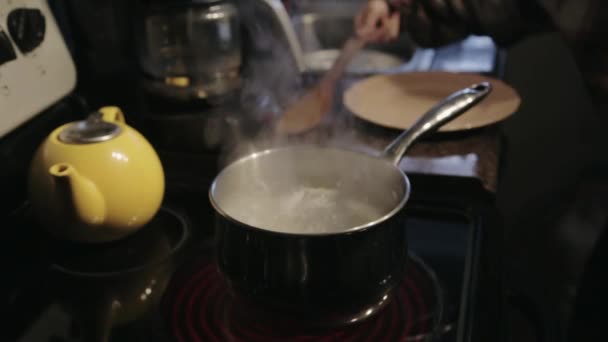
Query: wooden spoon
{"type": "Point", "coordinates": [308, 111]}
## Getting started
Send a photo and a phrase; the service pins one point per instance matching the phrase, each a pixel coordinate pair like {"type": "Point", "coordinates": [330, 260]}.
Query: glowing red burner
{"type": "Point", "coordinates": [199, 307]}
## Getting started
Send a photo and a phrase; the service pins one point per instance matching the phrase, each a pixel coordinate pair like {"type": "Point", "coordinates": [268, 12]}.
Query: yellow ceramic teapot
{"type": "Point", "coordinates": [96, 180]}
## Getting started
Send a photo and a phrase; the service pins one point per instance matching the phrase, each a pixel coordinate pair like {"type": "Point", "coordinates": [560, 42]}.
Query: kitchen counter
{"type": "Point", "coordinates": [474, 153]}
{"type": "Point", "coordinates": [471, 154]}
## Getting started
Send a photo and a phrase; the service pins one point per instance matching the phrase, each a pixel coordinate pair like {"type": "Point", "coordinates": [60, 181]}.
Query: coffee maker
{"type": "Point", "coordinates": [198, 49]}
{"type": "Point", "coordinates": [190, 49]}
{"type": "Point", "coordinates": [203, 68]}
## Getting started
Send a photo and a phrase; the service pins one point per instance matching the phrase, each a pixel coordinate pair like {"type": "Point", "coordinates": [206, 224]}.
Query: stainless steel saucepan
{"type": "Point", "coordinates": [317, 232]}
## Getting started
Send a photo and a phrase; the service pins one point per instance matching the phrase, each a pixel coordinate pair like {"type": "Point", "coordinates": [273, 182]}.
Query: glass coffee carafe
{"type": "Point", "coordinates": [190, 49]}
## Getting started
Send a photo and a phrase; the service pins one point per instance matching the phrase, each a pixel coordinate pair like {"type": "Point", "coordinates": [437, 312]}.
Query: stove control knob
{"type": "Point", "coordinates": [27, 28]}
{"type": "Point", "coordinates": [7, 53]}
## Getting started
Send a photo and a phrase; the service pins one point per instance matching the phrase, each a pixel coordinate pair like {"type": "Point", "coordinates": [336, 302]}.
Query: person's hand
{"type": "Point", "coordinates": [376, 23]}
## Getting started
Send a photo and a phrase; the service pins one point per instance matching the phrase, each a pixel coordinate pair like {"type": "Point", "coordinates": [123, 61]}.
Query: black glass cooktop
{"type": "Point", "coordinates": [162, 285]}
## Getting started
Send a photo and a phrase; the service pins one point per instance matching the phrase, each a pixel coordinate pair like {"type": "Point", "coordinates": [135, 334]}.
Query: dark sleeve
{"type": "Point", "coordinates": [582, 23]}
{"type": "Point", "coordinates": [437, 22]}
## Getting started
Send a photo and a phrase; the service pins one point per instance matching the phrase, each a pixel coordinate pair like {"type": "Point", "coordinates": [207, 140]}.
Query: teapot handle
{"type": "Point", "coordinates": [112, 114]}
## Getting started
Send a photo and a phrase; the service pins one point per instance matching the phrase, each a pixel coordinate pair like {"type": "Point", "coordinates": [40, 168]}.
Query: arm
{"type": "Point", "coordinates": [582, 23]}
{"type": "Point", "coordinates": [431, 23]}
{"type": "Point", "coordinates": [438, 22]}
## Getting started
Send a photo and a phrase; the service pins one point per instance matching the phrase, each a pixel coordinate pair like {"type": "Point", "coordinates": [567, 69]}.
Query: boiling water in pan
{"type": "Point", "coordinates": [304, 210]}
{"type": "Point", "coordinates": [309, 190]}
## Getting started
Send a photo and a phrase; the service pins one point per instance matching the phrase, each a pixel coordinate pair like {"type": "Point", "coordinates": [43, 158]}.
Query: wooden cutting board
{"type": "Point", "coordinates": [398, 100]}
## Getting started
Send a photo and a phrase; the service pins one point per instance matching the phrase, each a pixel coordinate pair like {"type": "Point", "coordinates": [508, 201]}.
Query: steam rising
{"type": "Point", "coordinates": [271, 83]}
{"type": "Point", "coordinates": [304, 192]}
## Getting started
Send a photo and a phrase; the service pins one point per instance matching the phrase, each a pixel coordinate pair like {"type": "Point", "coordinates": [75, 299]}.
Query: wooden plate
{"type": "Point", "coordinates": [398, 100]}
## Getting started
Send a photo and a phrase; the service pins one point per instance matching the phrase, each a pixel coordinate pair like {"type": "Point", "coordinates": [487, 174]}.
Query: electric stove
{"type": "Point", "coordinates": [161, 284]}
{"type": "Point", "coordinates": [451, 292]}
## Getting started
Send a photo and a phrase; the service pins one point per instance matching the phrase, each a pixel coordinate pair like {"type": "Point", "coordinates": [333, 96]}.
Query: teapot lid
{"type": "Point", "coordinates": [92, 130]}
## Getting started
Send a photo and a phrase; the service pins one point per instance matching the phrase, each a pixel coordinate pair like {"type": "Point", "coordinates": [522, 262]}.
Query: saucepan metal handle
{"type": "Point", "coordinates": [445, 111]}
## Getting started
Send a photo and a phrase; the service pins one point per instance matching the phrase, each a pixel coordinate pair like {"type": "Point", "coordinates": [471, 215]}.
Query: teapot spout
{"type": "Point", "coordinates": [87, 202]}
